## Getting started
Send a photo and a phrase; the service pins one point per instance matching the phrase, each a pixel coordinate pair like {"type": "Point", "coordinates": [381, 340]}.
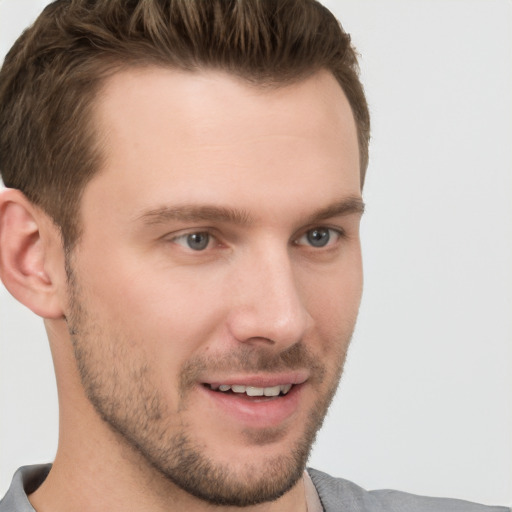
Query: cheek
{"type": "Point", "coordinates": [333, 300]}
{"type": "Point", "coordinates": [170, 315]}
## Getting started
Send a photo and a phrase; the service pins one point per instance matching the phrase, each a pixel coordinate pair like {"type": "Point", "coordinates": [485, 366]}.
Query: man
{"type": "Point", "coordinates": [183, 204]}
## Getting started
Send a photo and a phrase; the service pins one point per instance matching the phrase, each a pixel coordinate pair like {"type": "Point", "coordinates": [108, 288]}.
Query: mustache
{"type": "Point", "coordinates": [250, 359]}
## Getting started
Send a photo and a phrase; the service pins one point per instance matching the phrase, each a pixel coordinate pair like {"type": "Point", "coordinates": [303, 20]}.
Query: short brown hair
{"type": "Point", "coordinates": [48, 148]}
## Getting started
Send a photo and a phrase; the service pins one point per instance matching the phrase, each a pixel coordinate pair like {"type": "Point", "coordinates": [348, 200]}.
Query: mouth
{"type": "Point", "coordinates": [257, 401]}
{"type": "Point", "coordinates": [252, 391]}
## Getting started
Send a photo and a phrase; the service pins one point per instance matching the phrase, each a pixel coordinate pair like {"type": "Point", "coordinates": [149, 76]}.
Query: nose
{"type": "Point", "coordinates": [268, 306]}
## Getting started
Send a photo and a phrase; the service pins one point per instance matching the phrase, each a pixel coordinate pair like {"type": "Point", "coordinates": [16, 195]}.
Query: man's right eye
{"type": "Point", "coordinates": [197, 241]}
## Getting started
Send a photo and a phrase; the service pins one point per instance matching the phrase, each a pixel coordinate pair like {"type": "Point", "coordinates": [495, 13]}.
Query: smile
{"type": "Point", "coordinates": [270, 391]}
{"type": "Point", "coordinates": [259, 400]}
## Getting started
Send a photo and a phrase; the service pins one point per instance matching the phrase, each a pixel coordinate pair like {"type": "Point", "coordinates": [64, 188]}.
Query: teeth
{"type": "Point", "coordinates": [273, 391]}
{"type": "Point", "coordinates": [286, 388]}
{"type": "Point", "coordinates": [254, 391]}
{"type": "Point", "coordinates": [251, 391]}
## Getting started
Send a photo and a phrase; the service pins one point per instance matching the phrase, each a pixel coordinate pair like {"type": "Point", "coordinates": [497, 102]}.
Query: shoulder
{"type": "Point", "coordinates": [338, 495]}
{"type": "Point", "coordinates": [25, 481]}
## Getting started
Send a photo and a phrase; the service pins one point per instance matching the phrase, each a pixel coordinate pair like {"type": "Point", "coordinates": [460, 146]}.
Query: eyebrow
{"type": "Point", "coordinates": [206, 213]}
{"type": "Point", "coordinates": [349, 206]}
{"type": "Point", "coordinates": [195, 213]}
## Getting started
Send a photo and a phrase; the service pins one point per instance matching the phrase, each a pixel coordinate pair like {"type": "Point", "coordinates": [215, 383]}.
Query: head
{"type": "Point", "coordinates": [202, 164]}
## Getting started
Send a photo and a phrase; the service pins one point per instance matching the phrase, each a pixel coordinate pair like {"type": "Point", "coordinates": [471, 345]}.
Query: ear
{"type": "Point", "coordinates": [28, 240]}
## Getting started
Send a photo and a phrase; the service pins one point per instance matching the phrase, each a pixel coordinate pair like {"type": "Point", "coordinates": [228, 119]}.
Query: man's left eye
{"type": "Point", "coordinates": [319, 237]}
{"type": "Point", "coordinates": [196, 241]}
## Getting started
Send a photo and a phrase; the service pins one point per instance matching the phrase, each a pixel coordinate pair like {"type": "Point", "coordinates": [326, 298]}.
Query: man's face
{"type": "Point", "coordinates": [216, 285]}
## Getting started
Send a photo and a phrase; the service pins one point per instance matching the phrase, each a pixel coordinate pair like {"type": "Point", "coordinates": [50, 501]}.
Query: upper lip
{"type": "Point", "coordinates": [260, 380]}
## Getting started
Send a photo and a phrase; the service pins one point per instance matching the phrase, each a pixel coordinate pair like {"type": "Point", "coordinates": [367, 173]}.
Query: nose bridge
{"type": "Point", "coordinates": [269, 302]}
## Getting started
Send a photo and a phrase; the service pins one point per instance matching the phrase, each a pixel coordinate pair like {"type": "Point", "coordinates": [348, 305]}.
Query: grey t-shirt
{"type": "Point", "coordinates": [336, 495]}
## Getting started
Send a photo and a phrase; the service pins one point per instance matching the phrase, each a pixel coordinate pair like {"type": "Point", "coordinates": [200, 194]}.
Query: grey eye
{"type": "Point", "coordinates": [318, 237]}
{"type": "Point", "coordinates": [198, 241]}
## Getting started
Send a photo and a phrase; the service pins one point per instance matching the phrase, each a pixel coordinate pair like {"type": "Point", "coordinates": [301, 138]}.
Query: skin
{"type": "Point", "coordinates": [142, 324]}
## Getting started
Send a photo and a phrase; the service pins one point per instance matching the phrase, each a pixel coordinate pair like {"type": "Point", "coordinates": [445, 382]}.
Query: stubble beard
{"type": "Point", "coordinates": [125, 398]}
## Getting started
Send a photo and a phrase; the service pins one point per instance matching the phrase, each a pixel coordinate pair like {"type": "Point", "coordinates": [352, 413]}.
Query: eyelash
{"type": "Point", "coordinates": [184, 239]}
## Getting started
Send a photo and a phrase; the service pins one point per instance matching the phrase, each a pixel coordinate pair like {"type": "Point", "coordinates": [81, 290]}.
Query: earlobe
{"type": "Point", "coordinates": [24, 248]}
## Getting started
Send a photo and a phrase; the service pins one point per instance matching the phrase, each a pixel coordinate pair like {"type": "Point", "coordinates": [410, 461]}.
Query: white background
{"type": "Point", "coordinates": [426, 401]}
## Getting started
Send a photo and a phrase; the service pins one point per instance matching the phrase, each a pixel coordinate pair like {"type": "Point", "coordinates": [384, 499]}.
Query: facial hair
{"type": "Point", "coordinates": [119, 386]}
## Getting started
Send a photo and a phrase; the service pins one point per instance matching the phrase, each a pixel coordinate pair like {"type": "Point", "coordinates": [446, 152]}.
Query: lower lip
{"type": "Point", "coordinates": [257, 412]}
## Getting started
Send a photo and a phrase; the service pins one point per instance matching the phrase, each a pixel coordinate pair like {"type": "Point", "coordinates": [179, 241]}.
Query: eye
{"type": "Point", "coordinates": [319, 237]}
{"type": "Point", "coordinates": [196, 241]}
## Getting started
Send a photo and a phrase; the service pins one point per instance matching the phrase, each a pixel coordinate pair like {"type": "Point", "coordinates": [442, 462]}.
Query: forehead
{"type": "Point", "coordinates": [171, 135]}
